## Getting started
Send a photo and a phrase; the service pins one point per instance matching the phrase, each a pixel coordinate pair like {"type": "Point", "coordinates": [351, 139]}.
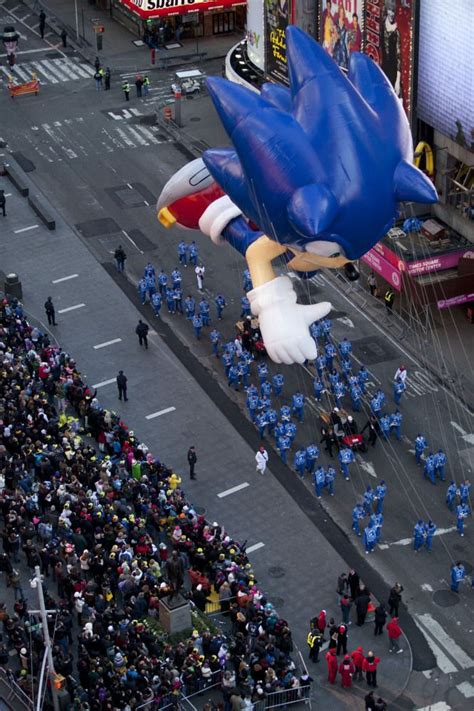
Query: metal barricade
{"type": "Point", "coordinates": [14, 691]}
{"type": "Point", "coordinates": [285, 697]}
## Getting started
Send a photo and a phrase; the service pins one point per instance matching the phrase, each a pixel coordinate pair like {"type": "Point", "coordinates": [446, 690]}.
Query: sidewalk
{"type": "Point", "coordinates": [118, 51]}
{"type": "Point", "coordinates": [294, 563]}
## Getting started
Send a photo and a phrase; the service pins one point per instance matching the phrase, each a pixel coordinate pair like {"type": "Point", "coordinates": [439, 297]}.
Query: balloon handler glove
{"type": "Point", "coordinates": [284, 324]}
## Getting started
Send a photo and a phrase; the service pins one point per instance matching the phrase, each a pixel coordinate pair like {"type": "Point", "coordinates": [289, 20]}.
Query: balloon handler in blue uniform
{"type": "Point", "coordinates": [280, 192]}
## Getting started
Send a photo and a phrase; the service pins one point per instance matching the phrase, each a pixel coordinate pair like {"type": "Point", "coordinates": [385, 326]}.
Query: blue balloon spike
{"type": "Point", "coordinates": [327, 159]}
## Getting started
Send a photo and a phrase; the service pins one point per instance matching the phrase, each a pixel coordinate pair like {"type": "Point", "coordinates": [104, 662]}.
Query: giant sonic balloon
{"type": "Point", "coordinates": [314, 177]}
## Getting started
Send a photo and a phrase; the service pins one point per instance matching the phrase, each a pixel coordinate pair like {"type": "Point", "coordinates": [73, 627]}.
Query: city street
{"type": "Point", "coordinates": [101, 162]}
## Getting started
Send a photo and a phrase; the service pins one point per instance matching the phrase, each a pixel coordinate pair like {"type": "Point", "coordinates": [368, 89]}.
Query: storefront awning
{"type": "Point", "coordinates": [148, 9]}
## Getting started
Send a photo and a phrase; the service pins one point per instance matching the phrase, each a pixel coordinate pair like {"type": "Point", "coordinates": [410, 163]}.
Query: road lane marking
{"type": "Point", "coordinates": [466, 689]}
{"type": "Point", "coordinates": [66, 278]}
{"type": "Point", "coordinates": [366, 466]}
{"type": "Point", "coordinates": [408, 541]}
{"type": "Point", "coordinates": [427, 587]}
{"type": "Point", "coordinates": [70, 308]}
{"type": "Point", "coordinates": [104, 383]}
{"type": "Point", "coordinates": [469, 438]}
{"type": "Point", "coordinates": [25, 229]}
{"type": "Point", "coordinates": [233, 490]}
{"type": "Point", "coordinates": [450, 646]}
{"type": "Point", "coordinates": [440, 706]}
{"type": "Point", "coordinates": [255, 547]}
{"type": "Point", "coordinates": [107, 343]}
{"type": "Point", "coordinates": [159, 413]}
{"type": "Point", "coordinates": [131, 240]}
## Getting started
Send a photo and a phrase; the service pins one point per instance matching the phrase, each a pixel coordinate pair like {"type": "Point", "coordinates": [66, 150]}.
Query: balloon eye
{"type": "Point", "coordinates": [351, 271]}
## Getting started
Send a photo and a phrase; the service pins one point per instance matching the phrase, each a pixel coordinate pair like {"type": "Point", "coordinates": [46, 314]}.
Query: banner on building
{"type": "Point", "coordinates": [341, 28]}
{"type": "Point", "coordinates": [389, 26]}
{"type": "Point", "coordinates": [278, 14]}
{"type": "Point", "coordinates": [148, 9]}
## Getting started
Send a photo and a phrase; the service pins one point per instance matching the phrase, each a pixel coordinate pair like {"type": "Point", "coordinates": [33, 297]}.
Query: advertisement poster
{"type": "Point", "coordinates": [255, 34]}
{"type": "Point", "coordinates": [389, 41]}
{"type": "Point", "coordinates": [341, 28]}
{"type": "Point", "coordinates": [277, 16]}
{"type": "Point", "coordinates": [380, 265]}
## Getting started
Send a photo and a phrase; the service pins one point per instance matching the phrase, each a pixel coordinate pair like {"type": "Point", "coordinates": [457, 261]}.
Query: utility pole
{"type": "Point", "coordinates": [77, 20]}
{"type": "Point", "coordinates": [37, 584]}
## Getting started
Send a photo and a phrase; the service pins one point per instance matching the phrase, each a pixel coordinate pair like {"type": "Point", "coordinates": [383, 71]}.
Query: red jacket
{"type": "Point", "coordinates": [357, 657]}
{"type": "Point", "coordinates": [370, 665]}
{"type": "Point", "coordinates": [393, 629]}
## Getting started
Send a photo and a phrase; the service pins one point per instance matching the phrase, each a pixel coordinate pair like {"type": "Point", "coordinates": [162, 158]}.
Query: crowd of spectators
{"type": "Point", "coordinates": [82, 498]}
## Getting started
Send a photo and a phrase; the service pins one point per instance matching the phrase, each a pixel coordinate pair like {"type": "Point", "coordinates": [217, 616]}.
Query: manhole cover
{"type": "Point", "coordinates": [194, 119]}
{"type": "Point", "coordinates": [276, 572]}
{"type": "Point", "coordinates": [445, 598]}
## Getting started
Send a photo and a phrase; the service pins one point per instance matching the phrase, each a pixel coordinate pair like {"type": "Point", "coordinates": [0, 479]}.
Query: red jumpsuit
{"type": "Point", "coordinates": [346, 670]}
{"type": "Point", "coordinates": [331, 660]}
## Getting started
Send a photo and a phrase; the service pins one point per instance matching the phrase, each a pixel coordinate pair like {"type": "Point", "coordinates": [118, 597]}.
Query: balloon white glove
{"type": "Point", "coordinates": [217, 216]}
{"type": "Point", "coordinates": [284, 323]}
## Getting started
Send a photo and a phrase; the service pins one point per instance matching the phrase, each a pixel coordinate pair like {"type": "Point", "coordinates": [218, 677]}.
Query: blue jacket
{"type": "Point", "coordinates": [346, 456]}
{"type": "Point", "coordinates": [319, 476]}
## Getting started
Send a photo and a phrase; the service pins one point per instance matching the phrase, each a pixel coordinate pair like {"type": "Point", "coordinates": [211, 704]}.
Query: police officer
{"type": "Point", "coordinates": [156, 302]}
{"type": "Point", "coordinates": [389, 298]}
{"type": "Point", "coordinates": [298, 405]}
{"type": "Point", "coordinates": [192, 459]}
{"type": "Point", "coordinates": [189, 307]}
{"type": "Point", "coordinates": [126, 90]}
{"type": "Point", "coordinates": [122, 385]}
{"type": "Point", "coordinates": [319, 480]}
{"type": "Point", "coordinates": [277, 384]}
{"type": "Point", "coordinates": [419, 534]}
{"type": "Point", "coordinates": [420, 445]}
{"type": "Point", "coordinates": [197, 325]}
{"type": "Point", "coordinates": [312, 454]}
{"type": "Point", "coordinates": [120, 257]}
{"type": "Point", "coordinates": [183, 253]}
{"type": "Point", "coordinates": [220, 303]}
{"type": "Point", "coordinates": [215, 337]}
{"type": "Point", "coordinates": [346, 457]}
{"type": "Point", "coordinates": [358, 514]}
{"type": "Point", "coordinates": [299, 461]}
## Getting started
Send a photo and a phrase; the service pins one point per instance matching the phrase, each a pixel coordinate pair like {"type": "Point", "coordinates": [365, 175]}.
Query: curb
{"type": "Point", "coordinates": [27, 188]}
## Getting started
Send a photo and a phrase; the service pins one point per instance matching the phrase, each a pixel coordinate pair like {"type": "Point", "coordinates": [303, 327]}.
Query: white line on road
{"type": "Point", "coordinates": [233, 490]}
{"type": "Point", "coordinates": [427, 587]}
{"type": "Point", "coordinates": [66, 278]}
{"type": "Point", "coordinates": [440, 706]}
{"type": "Point", "coordinates": [104, 383]}
{"type": "Point", "coordinates": [70, 308]}
{"type": "Point", "coordinates": [107, 343]}
{"type": "Point", "coordinates": [435, 629]}
{"type": "Point", "coordinates": [25, 229]}
{"type": "Point", "coordinates": [469, 438]}
{"type": "Point", "coordinates": [159, 413]}
{"type": "Point", "coordinates": [366, 466]}
{"type": "Point", "coordinates": [131, 240]}
{"type": "Point", "coordinates": [466, 689]}
{"type": "Point", "coordinates": [408, 541]}
{"type": "Point", "coordinates": [255, 547]}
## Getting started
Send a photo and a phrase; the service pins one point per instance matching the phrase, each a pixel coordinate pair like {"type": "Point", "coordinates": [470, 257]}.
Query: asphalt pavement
{"type": "Point", "coordinates": [101, 164]}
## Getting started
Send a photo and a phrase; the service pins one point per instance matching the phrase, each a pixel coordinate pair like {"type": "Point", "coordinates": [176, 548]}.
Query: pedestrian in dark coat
{"type": "Point", "coordinates": [395, 599]}
{"type": "Point", "coordinates": [42, 23]}
{"type": "Point", "coordinates": [342, 639]}
{"type": "Point", "coordinates": [380, 618]}
{"type": "Point", "coordinates": [192, 459]}
{"type": "Point", "coordinates": [122, 385]}
{"type": "Point", "coordinates": [353, 582]}
{"type": "Point", "coordinates": [3, 202]}
{"type": "Point", "coordinates": [50, 312]}
{"type": "Point", "coordinates": [142, 333]}
{"type": "Point", "coordinates": [362, 605]}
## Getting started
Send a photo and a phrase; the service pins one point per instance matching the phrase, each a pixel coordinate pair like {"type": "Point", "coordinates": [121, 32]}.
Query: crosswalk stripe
{"type": "Point", "coordinates": [22, 74]}
{"type": "Point", "coordinates": [148, 134]}
{"type": "Point", "coordinates": [87, 69]}
{"type": "Point", "coordinates": [126, 113]}
{"type": "Point", "coordinates": [438, 633]}
{"type": "Point", "coordinates": [125, 138]}
{"type": "Point", "coordinates": [139, 138]}
{"type": "Point", "coordinates": [55, 72]}
{"type": "Point", "coordinates": [5, 71]}
{"type": "Point", "coordinates": [41, 70]}
{"type": "Point", "coordinates": [66, 67]}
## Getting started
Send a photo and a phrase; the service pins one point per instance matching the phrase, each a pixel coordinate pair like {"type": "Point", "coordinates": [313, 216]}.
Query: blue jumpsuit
{"type": "Point", "coordinates": [319, 480]}
{"type": "Point", "coordinates": [380, 493]}
{"type": "Point", "coordinates": [262, 371]}
{"type": "Point", "coordinates": [339, 392]}
{"type": "Point", "coordinates": [385, 426]}
{"type": "Point", "coordinates": [215, 338]}
{"type": "Point", "coordinates": [345, 347]}
{"type": "Point", "coordinates": [283, 445]}
{"type": "Point", "coordinates": [465, 492]}
{"type": "Point", "coordinates": [189, 307]}
{"type": "Point", "coordinates": [244, 307]}
{"type": "Point", "coordinates": [420, 446]}
{"type": "Point", "coordinates": [430, 530]}
{"type": "Point", "coordinates": [299, 462]}
{"type": "Point", "coordinates": [150, 284]}
{"type": "Point", "coordinates": [162, 282]}
{"type": "Point", "coordinates": [156, 301]}
{"type": "Point", "coordinates": [265, 388]}
{"type": "Point", "coordinates": [312, 454]}
{"type": "Point", "coordinates": [346, 457]}
{"type": "Point", "coordinates": [321, 364]}
{"type": "Point", "coordinates": [399, 388]}
{"type": "Point", "coordinates": [246, 281]}
{"type": "Point", "coordinates": [440, 465]}
{"type": "Point", "coordinates": [396, 423]}
{"type": "Point", "coordinates": [330, 352]}
{"type": "Point", "coordinates": [197, 325]}
{"type": "Point", "coordinates": [261, 422]}
{"type": "Point", "coordinates": [233, 377]}
{"type": "Point", "coordinates": [298, 406]}
{"type": "Point", "coordinates": [363, 377]}
{"type": "Point", "coordinates": [368, 500]}
{"type": "Point", "coordinates": [244, 371]}
{"type": "Point", "coordinates": [462, 512]}
{"type": "Point", "coordinates": [418, 536]}
{"type": "Point", "coordinates": [329, 480]}
{"type": "Point", "coordinates": [429, 470]}
{"type": "Point", "coordinates": [272, 418]}
{"type": "Point", "coordinates": [176, 278]}
{"type": "Point", "coordinates": [285, 413]}
{"type": "Point", "coordinates": [277, 384]}
{"type": "Point", "coordinates": [370, 537]}
{"type": "Point", "coordinates": [183, 253]}
{"type": "Point", "coordinates": [356, 394]}
{"type": "Point", "coordinates": [193, 253]}
{"type": "Point", "coordinates": [170, 301]}
{"type": "Point", "coordinates": [458, 573]}
{"type": "Point", "coordinates": [290, 431]}
{"type": "Point", "coordinates": [318, 388]}
{"type": "Point", "coordinates": [204, 310]}
{"type": "Point", "coordinates": [142, 289]}
{"type": "Point", "coordinates": [220, 305]}
{"type": "Point", "coordinates": [451, 494]}
{"type": "Point", "coordinates": [252, 404]}
{"type": "Point", "coordinates": [357, 514]}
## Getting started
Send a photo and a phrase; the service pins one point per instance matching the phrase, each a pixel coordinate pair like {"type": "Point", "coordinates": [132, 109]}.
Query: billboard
{"type": "Point", "coordinates": [147, 9]}
{"type": "Point", "coordinates": [341, 24]}
{"type": "Point", "coordinates": [383, 267]}
{"type": "Point", "coordinates": [389, 28]}
{"type": "Point", "coordinates": [445, 74]}
{"type": "Point", "coordinates": [278, 14]}
{"type": "Point", "coordinates": [255, 33]}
